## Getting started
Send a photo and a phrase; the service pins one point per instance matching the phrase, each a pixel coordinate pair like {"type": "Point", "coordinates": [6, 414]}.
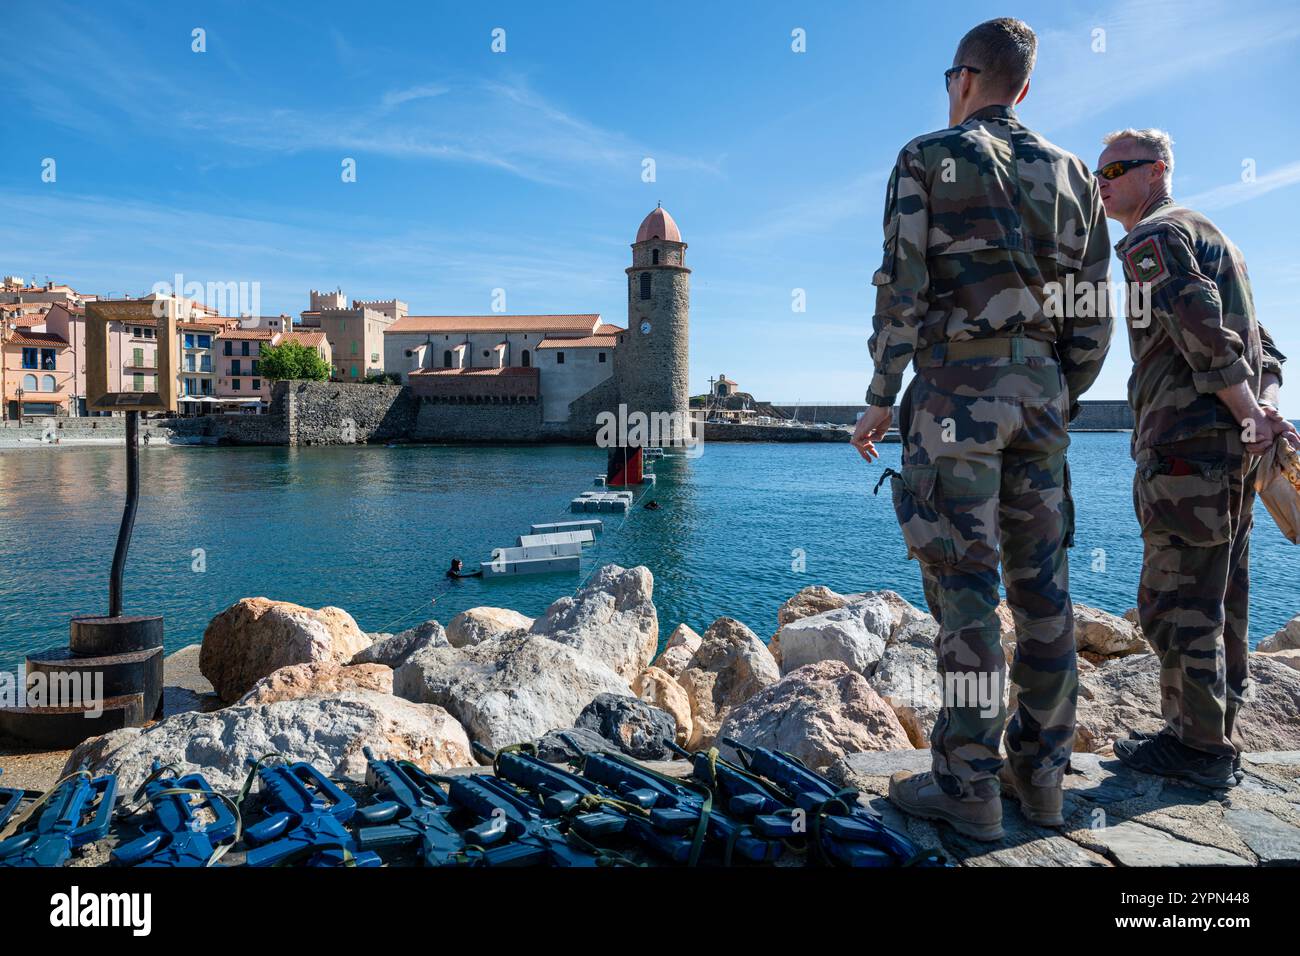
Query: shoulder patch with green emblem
{"type": "Point", "coordinates": [1147, 262]}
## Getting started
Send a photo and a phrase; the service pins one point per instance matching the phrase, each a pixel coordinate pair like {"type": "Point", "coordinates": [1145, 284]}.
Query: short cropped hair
{"type": "Point", "coordinates": [1155, 143]}
{"type": "Point", "coordinates": [1003, 50]}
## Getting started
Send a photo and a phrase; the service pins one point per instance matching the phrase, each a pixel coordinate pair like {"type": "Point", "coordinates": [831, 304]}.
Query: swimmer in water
{"type": "Point", "coordinates": [455, 571]}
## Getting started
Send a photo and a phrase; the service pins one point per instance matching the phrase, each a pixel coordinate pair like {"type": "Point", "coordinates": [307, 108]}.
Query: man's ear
{"type": "Point", "coordinates": [1022, 93]}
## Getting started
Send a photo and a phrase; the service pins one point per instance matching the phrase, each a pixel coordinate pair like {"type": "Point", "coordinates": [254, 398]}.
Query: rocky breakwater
{"type": "Point", "coordinates": [848, 684]}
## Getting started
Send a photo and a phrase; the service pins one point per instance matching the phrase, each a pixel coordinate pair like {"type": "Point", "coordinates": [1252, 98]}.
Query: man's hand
{"type": "Point", "coordinates": [1263, 424]}
{"type": "Point", "coordinates": [1280, 426]}
{"type": "Point", "coordinates": [873, 424]}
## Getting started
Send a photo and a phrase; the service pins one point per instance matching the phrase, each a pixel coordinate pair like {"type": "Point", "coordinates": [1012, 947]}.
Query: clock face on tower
{"type": "Point", "coordinates": [645, 328]}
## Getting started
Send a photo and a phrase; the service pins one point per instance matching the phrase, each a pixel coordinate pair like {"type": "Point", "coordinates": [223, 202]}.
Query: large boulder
{"type": "Point", "coordinates": [1288, 638]}
{"type": "Point", "coordinates": [637, 728]}
{"type": "Point", "coordinates": [902, 612]}
{"type": "Point", "coordinates": [1116, 699]}
{"type": "Point", "coordinates": [1106, 634]}
{"type": "Point", "coordinates": [329, 733]}
{"type": "Point", "coordinates": [907, 678]}
{"type": "Point", "coordinates": [320, 679]}
{"type": "Point", "coordinates": [480, 624]}
{"type": "Point", "coordinates": [395, 649]}
{"type": "Point", "coordinates": [510, 690]}
{"type": "Point", "coordinates": [611, 619]}
{"type": "Point", "coordinates": [1123, 695]}
{"type": "Point", "coordinates": [731, 666]}
{"type": "Point", "coordinates": [561, 746]}
{"type": "Point", "coordinates": [815, 599]}
{"type": "Point", "coordinates": [682, 644]}
{"type": "Point", "coordinates": [854, 634]}
{"type": "Point", "coordinates": [256, 636]}
{"type": "Point", "coordinates": [656, 686]}
{"type": "Point", "coordinates": [1270, 717]}
{"type": "Point", "coordinates": [1289, 657]}
{"type": "Point", "coordinates": [819, 713]}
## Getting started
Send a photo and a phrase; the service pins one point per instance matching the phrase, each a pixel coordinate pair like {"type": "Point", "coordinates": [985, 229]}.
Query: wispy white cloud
{"type": "Point", "coordinates": [110, 246]}
{"type": "Point", "coordinates": [818, 213]}
{"type": "Point", "coordinates": [1148, 46]}
{"type": "Point", "coordinates": [397, 97]}
{"type": "Point", "coordinates": [1231, 194]}
{"type": "Point", "coordinates": [500, 123]}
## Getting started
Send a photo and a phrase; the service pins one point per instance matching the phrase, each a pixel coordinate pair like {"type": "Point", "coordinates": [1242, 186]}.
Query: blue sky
{"type": "Point", "coordinates": [522, 170]}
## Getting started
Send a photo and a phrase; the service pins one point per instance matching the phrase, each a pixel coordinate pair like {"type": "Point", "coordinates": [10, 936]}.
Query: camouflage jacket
{"type": "Point", "coordinates": [980, 219]}
{"type": "Point", "coordinates": [1199, 334]}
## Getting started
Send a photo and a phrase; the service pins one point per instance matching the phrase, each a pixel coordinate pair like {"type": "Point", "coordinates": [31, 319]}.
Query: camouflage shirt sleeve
{"type": "Point", "coordinates": [1186, 303]}
{"type": "Point", "coordinates": [902, 281]}
{"type": "Point", "coordinates": [1272, 365]}
{"type": "Point", "coordinates": [1273, 357]}
{"type": "Point", "coordinates": [1085, 341]}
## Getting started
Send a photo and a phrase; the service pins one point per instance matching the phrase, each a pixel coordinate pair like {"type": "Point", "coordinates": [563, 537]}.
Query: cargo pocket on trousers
{"type": "Point", "coordinates": [926, 533]}
{"type": "Point", "coordinates": [1182, 501]}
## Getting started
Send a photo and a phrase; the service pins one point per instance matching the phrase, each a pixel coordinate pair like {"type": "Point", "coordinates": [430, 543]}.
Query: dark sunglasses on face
{"type": "Point", "coordinates": [953, 71]}
{"type": "Point", "coordinates": [1120, 166]}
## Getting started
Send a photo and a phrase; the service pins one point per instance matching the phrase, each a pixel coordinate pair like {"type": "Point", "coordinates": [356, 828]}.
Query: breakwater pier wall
{"type": "Point", "coordinates": [1104, 415]}
{"type": "Point", "coordinates": [337, 413]}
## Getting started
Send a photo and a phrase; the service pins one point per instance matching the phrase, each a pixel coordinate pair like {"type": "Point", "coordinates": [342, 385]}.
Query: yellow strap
{"type": "Point", "coordinates": [13, 825]}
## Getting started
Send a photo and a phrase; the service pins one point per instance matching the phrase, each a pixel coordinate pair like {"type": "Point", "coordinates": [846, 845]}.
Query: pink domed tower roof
{"type": "Point", "coordinates": [658, 225]}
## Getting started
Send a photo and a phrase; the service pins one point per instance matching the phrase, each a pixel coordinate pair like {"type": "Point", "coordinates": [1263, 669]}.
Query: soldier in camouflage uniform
{"type": "Point", "coordinates": [1204, 396]}
{"type": "Point", "coordinates": [985, 223]}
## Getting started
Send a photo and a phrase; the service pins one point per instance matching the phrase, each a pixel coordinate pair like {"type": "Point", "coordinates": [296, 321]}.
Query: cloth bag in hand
{"type": "Point", "coordinates": [1277, 482]}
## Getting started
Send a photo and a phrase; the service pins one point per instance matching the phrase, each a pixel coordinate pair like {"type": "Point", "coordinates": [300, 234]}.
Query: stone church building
{"type": "Point", "coordinates": [529, 377]}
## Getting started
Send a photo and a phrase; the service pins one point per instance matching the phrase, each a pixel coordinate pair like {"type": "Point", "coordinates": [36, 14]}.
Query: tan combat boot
{"type": "Point", "coordinates": [919, 795]}
{"type": "Point", "coordinates": [1041, 805]}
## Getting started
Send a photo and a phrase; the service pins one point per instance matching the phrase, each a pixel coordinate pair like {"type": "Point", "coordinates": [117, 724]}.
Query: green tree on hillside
{"type": "Point", "coordinates": [293, 360]}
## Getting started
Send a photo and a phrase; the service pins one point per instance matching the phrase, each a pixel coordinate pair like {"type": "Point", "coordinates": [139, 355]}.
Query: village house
{"type": "Point", "coordinates": [356, 334]}
{"type": "Point", "coordinates": [37, 373]}
{"type": "Point", "coordinates": [240, 385]}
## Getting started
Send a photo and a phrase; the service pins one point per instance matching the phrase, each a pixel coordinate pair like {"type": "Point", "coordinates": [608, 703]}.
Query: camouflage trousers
{"type": "Point", "coordinates": [1195, 500]}
{"type": "Point", "coordinates": [985, 484]}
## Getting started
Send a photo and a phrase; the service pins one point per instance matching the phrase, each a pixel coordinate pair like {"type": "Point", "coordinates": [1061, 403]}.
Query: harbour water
{"type": "Point", "coordinates": [372, 530]}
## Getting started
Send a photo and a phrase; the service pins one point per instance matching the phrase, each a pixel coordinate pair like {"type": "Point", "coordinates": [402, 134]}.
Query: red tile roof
{"type": "Point", "coordinates": [658, 225]}
{"type": "Point", "coordinates": [583, 342]}
{"type": "Point", "coordinates": [495, 323]}
{"type": "Point", "coordinates": [198, 327]}
{"type": "Point", "coordinates": [264, 334]}
{"type": "Point", "coordinates": [606, 329]}
{"type": "Point", "coordinates": [505, 370]}
{"type": "Point", "coordinates": [46, 339]}
{"type": "Point", "coordinates": [27, 321]}
{"type": "Point", "coordinates": [312, 338]}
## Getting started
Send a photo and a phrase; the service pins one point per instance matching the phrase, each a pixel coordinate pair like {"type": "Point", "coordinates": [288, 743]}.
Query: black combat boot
{"type": "Point", "coordinates": [1230, 717]}
{"type": "Point", "coordinates": [1165, 755]}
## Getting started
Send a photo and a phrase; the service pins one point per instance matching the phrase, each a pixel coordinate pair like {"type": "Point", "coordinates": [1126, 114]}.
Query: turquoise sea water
{"type": "Point", "coordinates": [372, 530]}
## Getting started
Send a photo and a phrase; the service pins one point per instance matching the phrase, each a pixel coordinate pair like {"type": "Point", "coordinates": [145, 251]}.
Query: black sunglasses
{"type": "Point", "coordinates": [949, 73]}
{"type": "Point", "coordinates": [1119, 167]}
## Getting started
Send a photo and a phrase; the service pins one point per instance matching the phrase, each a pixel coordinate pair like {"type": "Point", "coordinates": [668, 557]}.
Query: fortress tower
{"type": "Point", "coordinates": [652, 364]}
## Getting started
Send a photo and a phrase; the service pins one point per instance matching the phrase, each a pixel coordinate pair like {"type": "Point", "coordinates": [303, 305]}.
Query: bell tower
{"type": "Point", "coordinates": [653, 363]}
